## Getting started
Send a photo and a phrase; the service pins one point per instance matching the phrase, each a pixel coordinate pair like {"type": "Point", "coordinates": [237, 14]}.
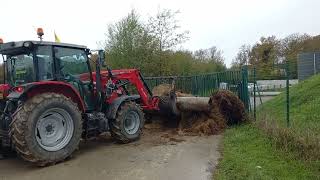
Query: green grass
{"type": "Point", "coordinates": [304, 108]}
{"type": "Point", "coordinates": [282, 152]}
{"type": "Point", "coordinates": [248, 153]}
{"type": "Point", "coordinates": [303, 135]}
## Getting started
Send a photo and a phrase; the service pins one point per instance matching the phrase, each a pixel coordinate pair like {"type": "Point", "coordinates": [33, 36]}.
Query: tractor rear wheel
{"type": "Point", "coordinates": [128, 123]}
{"type": "Point", "coordinates": [46, 129]}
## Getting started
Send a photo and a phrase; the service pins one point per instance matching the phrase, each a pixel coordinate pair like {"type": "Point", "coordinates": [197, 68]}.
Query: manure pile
{"type": "Point", "coordinates": [224, 109]}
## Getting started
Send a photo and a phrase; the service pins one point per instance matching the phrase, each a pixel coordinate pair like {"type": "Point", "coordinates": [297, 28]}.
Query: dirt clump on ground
{"type": "Point", "coordinates": [225, 109]}
{"type": "Point", "coordinates": [203, 123]}
{"type": "Point", "coordinates": [159, 133]}
{"type": "Point", "coordinates": [231, 107]}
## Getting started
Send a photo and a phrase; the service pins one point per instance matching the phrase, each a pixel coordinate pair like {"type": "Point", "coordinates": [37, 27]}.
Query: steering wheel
{"type": "Point", "coordinates": [69, 77]}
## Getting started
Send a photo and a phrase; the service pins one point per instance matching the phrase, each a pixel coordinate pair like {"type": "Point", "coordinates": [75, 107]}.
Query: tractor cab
{"type": "Point", "coordinates": [27, 62]}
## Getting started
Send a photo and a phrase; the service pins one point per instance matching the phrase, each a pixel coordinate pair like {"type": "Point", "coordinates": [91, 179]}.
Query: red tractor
{"type": "Point", "coordinates": [51, 99]}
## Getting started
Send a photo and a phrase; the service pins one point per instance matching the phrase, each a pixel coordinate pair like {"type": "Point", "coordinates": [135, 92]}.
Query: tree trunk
{"type": "Point", "coordinates": [193, 103]}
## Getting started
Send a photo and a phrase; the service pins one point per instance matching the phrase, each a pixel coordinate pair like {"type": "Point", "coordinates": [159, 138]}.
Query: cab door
{"type": "Point", "coordinates": [73, 67]}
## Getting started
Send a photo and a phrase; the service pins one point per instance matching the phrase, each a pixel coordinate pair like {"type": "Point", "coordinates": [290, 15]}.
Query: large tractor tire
{"type": "Point", "coordinates": [46, 129]}
{"type": "Point", "coordinates": [128, 123]}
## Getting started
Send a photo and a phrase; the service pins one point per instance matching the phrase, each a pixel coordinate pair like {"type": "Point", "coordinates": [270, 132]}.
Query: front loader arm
{"type": "Point", "coordinates": [148, 102]}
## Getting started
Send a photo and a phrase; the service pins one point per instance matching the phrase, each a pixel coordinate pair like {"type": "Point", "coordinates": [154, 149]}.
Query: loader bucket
{"type": "Point", "coordinates": [168, 104]}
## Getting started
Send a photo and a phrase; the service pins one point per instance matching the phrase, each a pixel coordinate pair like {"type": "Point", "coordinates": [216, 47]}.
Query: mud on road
{"type": "Point", "coordinates": [157, 155]}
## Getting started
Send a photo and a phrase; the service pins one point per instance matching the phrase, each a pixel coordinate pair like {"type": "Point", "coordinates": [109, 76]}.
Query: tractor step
{"type": "Point", "coordinates": [2, 157]}
{"type": "Point", "coordinates": [95, 124]}
{"type": "Point", "coordinates": [6, 153]}
{"type": "Point", "coordinates": [5, 146]}
{"type": "Point", "coordinates": [4, 139]}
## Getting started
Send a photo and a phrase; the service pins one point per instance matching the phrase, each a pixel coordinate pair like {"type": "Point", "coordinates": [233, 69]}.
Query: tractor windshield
{"type": "Point", "coordinates": [20, 69]}
{"type": "Point", "coordinates": [31, 66]}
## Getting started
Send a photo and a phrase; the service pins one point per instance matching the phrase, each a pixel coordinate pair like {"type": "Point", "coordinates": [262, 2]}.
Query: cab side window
{"type": "Point", "coordinates": [72, 61]}
{"type": "Point", "coordinates": [45, 62]}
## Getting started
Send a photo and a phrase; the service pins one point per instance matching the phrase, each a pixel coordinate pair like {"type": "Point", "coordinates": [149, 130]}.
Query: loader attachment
{"type": "Point", "coordinates": [168, 104]}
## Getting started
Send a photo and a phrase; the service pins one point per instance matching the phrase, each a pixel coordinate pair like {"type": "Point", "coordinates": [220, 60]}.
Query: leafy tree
{"type": "Point", "coordinates": [129, 44]}
{"type": "Point", "coordinates": [180, 62]}
{"type": "Point", "coordinates": [311, 44]}
{"type": "Point", "coordinates": [270, 54]}
{"type": "Point", "coordinates": [150, 47]}
{"type": "Point", "coordinates": [291, 46]}
{"type": "Point", "coordinates": [265, 55]}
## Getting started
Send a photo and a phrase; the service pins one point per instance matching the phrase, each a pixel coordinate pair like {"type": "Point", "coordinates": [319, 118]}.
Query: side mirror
{"type": "Point", "coordinates": [102, 58]}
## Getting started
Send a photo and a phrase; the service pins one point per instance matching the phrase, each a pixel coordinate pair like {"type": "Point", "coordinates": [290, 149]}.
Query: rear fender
{"type": "Point", "coordinates": [32, 89]}
{"type": "Point", "coordinates": [114, 106]}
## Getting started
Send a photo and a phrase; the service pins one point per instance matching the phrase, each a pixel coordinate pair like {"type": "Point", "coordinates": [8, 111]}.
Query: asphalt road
{"type": "Point", "coordinates": [157, 155]}
{"type": "Point", "coordinates": [260, 100]}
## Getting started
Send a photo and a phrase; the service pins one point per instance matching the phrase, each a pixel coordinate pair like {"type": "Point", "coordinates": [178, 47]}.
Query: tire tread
{"type": "Point", "coordinates": [19, 127]}
{"type": "Point", "coordinates": [116, 131]}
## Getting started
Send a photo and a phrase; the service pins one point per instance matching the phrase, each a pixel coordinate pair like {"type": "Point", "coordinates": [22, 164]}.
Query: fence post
{"type": "Point", "coordinates": [245, 87]}
{"type": "Point", "coordinates": [254, 93]}
{"type": "Point", "coordinates": [314, 64]}
{"type": "Point", "coordinates": [287, 92]}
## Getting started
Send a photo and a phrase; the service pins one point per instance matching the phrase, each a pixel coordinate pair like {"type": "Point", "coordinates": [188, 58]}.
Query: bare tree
{"type": "Point", "coordinates": [216, 55]}
{"type": "Point", "coordinates": [243, 56]}
{"type": "Point", "coordinates": [164, 27]}
{"type": "Point", "coordinates": [201, 55]}
{"type": "Point", "coordinates": [212, 54]}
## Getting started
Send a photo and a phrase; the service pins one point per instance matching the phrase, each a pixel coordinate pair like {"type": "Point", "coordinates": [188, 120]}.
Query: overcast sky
{"type": "Point", "coordinates": [226, 24]}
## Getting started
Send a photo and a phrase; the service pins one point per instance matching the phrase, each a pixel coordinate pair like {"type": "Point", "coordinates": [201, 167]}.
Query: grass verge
{"type": "Point", "coordinates": [249, 153]}
{"type": "Point", "coordinates": [303, 136]}
{"type": "Point", "coordinates": [304, 108]}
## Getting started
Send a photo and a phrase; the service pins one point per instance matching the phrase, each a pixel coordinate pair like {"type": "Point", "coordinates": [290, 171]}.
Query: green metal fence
{"type": "Point", "coordinates": [204, 85]}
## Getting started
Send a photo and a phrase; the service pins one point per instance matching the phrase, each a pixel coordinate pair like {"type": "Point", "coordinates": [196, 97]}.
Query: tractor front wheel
{"type": "Point", "coordinates": [46, 129]}
{"type": "Point", "coordinates": [128, 123]}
